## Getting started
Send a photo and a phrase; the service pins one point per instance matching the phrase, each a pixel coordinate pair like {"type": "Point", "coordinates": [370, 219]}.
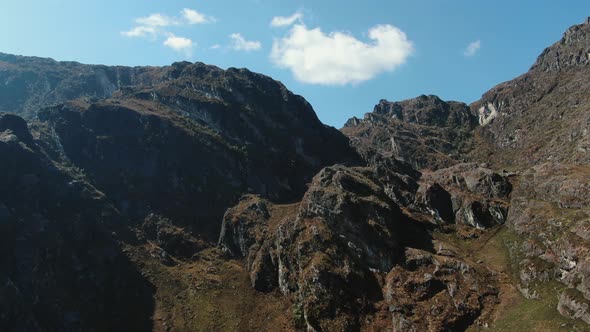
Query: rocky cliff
{"type": "Point", "coordinates": [31, 83]}
{"type": "Point", "coordinates": [542, 115]}
{"type": "Point", "coordinates": [61, 267]}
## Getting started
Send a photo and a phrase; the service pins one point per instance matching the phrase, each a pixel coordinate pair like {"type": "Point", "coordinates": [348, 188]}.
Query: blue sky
{"type": "Point", "coordinates": [341, 56]}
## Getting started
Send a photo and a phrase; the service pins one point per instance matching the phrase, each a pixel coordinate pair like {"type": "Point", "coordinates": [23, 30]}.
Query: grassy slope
{"type": "Point", "coordinates": [514, 312]}
{"type": "Point", "coordinates": [210, 293]}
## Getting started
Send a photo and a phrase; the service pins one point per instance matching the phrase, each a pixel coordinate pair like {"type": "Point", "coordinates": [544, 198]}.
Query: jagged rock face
{"type": "Point", "coordinates": [149, 162]}
{"type": "Point", "coordinates": [323, 252]}
{"type": "Point", "coordinates": [465, 194]}
{"type": "Point", "coordinates": [248, 231]}
{"type": "Point", "coordinates": [31, 83]}
{"type": "Point", "coordinates": [438, 287]}
{"type": "Point", "coordinates": [550, 210]}
{"type": "Point", "coordinates": [60, 266]}
{"type": "Point", "coordinates": [571, 53]}
{"type": "Point", "coordinates": [340, 253]}
{"type": "Point", "coordinates": [167, 148]}
{"type": "Point", "coordinates": [425, 131]}
{"type": "Point", "coordinates": [542, 115]}
{"type": "Point", "coordinates": [574, 306]}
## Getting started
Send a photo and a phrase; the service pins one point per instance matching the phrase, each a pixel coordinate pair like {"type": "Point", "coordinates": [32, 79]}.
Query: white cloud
{"type": "Point", "coordinates": [179, 44]}
{"type": "Point", "coordinates": [472, 48]}
{"type": "Point", "coordinates": [215, 46]}
{"type": "Point", "coordinates": [282, 21]}
{"type": "Point", "coordinates": [157, 24]}
{"type": "Point", "coordinates": [239, 43]}
{"type": "Point", "coordinates": [194, 17]}
{"type": "Point", "coordinates": [149, 26]}
{"type": "Point", "coordinates": [140, 31]}
{"type": "Point", "coordinates": [156, 20]}
{"type": "Point", "coordinates": [339, 58]}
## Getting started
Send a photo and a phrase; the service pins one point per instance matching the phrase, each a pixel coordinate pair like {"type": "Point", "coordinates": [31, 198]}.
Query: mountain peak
{"type": "Point", "coordinates": [572, 51]}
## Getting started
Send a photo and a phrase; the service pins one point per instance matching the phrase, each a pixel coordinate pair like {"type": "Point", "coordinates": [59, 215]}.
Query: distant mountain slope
{"type": "Point", "coordinates": [31, 83]}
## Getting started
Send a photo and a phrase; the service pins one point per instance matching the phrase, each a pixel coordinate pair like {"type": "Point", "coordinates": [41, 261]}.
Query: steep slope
{"type": "Point", "coordinates": [61, 267]}
{"type": "Point", "coordinates": [538, 124]}
{"type": "Point", "coordinates": [187, 148]}
{"type": "Point", "coordinates": [544, 114]}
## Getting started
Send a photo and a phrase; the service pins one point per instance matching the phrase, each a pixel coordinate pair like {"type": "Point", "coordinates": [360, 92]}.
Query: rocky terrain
{"type": "Point", "coordinates": [191, 198]}
{"type": "Point", "coordinates": [31, 83]}
{"type": "Point", "coordinates": [541, 116]}
{"type": "Point", "coordinates": [426, 131]}
{"type": "Point", "coordinates": [353, 260]}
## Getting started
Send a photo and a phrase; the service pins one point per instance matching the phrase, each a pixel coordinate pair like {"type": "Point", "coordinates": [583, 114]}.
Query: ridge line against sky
{"type": "Point", "coordinates": [342, 57]}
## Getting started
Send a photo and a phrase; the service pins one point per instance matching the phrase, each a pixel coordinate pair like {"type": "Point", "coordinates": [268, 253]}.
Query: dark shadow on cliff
{"type": "Point", "coordinates": [416, 233]}
{"type": "Point", "coordinates": [69, 277]}
{"type": "Point", "coordinates": [61, 267]}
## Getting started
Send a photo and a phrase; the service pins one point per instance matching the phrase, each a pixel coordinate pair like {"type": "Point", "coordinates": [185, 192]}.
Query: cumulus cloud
{"type": "Point", "coordinates": [282, 21]}
{"type": "Point", "coordinates": [159, 24]}
{"type": "Point", "coordinates": [180, 44]}
{"type": "Point", "coordinates": [472, 48]}
{"type": "Point", "coordinates": [239, 43]}
{"type": "Point", "coordinates": [194, 17]}
{"type": "Point", "coordinates": [156, 20]}
{"type": "Point", "coordinates": [338, 58]}
{"type": "Point", "coordinates": [150, 26]}
{"type": "Point", "coordinates": [140, 31]}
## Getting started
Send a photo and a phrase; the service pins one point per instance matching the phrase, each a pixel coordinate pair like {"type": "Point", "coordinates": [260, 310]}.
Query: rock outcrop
{"type": "Point", "coordinates": [426, 131]}
{"type": "Point", "coordinates": [344, 252]}
{"type": "Point", "coordinates": [344, 227]}
{"type": "Point", "coordinates": [465, 194]}
{"type": "Point", "coordinates": [436, 293]}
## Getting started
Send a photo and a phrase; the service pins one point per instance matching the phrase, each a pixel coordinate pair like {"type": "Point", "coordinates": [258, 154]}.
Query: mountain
{"type": "Point", "coordinates": [538, 125]}
{"type": "Point", "coordinates": [165, 148]}
{"type": "Point", "coordinates": [533, 131]}
{"type": "Point", "coordinates": [187, 197]}
{"type": "Point", "coordinates": [31, 83]}
{"type": "Point", "coordinates": [426, 131]}
{"type": "Point", "coordinates": [541, 116]}
{"type": "Point", "coordinates": [89, 181]}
